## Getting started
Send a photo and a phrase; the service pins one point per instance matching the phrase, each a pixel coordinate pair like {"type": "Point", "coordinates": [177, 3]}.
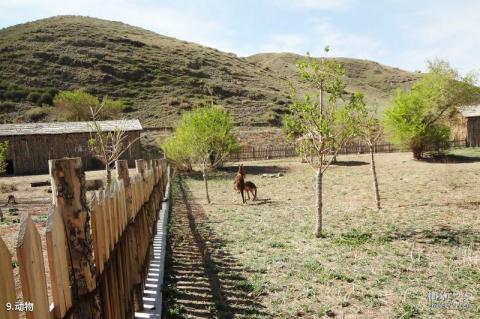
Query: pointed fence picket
{"type": "Point", "coordinates": [32, 269]}
{"type": "Point", "coordinates": [7, 283]}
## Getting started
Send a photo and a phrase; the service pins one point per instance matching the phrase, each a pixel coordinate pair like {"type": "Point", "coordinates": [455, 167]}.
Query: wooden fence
{"type": "Point", "coordinates": [249, 153]}
{"type": "Point", "coordinates": [97, 252]}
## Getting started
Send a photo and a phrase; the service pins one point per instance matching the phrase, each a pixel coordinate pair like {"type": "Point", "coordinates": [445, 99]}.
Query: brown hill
{"type": "Point", "coordinates": [159, 77]}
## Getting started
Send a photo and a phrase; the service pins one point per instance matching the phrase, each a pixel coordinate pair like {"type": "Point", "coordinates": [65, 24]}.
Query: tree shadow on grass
{"type": "Point", "coordinates": [203, 279]}
{"type": "Point", "coordinates": [443, 235]}
{"type": "Point", "coordinates": [451, 159]}
{"type": "Point", "coordinates": [256, 170]}
{"type": "Point", "coordinates": [229, 172]}
{"type": "Point", "coordinates": [350, 163]}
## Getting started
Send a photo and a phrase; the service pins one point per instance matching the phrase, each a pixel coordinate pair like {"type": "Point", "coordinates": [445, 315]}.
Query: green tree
{"type": "Point", "coordinates": [204, 137]}
{"type": "Point", "coordinates": [321, 123]}
{"type": "Point", "coordinates": [76, 105]}
{"type": "Point", "coordinates": [3, 156]}
{"type": "Point", "coordinates": [419, 118]}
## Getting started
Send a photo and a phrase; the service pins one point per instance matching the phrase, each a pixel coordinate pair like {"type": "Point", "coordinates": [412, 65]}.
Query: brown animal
{"type": "Point", "coordinates": [239, 182]}
{"type": "Point", "coordinates": [11, 200]}
{"type": "Point", "coordinates": [250, 187]}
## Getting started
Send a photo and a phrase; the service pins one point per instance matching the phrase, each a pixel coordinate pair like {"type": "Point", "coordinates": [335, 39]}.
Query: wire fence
{"type": "Point", "coordinates": [251, 153]}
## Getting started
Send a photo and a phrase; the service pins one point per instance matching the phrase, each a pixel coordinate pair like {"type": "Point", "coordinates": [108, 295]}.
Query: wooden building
{"type": "Point", "coordinates": [472, 114]}
{"type": "Point", "coordinates": [31, 145]}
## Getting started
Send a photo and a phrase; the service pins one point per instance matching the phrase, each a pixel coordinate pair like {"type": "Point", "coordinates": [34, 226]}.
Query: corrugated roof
{"type": "Point", "coordinates": [470, 110]}
{"type": "Point", "coordinates": [66, 127]}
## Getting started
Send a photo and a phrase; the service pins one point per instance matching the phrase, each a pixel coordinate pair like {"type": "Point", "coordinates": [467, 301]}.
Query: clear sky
{"type": "Point", "coordinates": [401, 33]}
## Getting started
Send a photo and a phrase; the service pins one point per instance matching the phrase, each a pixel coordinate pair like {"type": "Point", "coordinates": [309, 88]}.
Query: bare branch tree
{"type": "Point", "coordinates": [108, 146]}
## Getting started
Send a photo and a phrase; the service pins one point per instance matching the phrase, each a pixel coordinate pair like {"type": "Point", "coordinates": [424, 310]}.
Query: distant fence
{"type": "Point", "coordinates": [249, 153]}
{"type": "Point", "coordinates": [97, 252]}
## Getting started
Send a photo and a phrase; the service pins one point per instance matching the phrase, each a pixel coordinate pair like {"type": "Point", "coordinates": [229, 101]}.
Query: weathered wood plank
{"type": "Point", "coordinates": [57, 250]}
{"type": "Point", "coordinates": [7, 284]}
{"type": "Point", "coordinates": [32, 268]}
{"type": "Point", "coordinates": [98, 235]}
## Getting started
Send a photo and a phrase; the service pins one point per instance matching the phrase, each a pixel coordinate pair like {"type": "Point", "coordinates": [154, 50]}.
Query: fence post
{"type": "Point", "coordinates": [69, 197]}
{"type": "Point", "coordinates": [7, 285]}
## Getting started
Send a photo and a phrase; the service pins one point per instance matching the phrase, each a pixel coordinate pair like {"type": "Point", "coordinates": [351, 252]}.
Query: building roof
{"type": "Point", "coordinates": [470, 110]}
{"type": "Point", "coordinates": [67, 127]}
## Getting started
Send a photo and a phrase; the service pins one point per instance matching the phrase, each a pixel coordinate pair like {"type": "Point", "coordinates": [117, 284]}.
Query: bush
{"type": "Point", "coordinates": [177, 154]}
{"type": "Point", "coordinates": [111, 109]}
{"type": "Point", "coordinates": [45, 98]}
{"type": "Point", "coordinates": [33, 97]}
{"type": "Point", "coordinates": [15, 94]}
{"type": "Point", "coordinates": [7, 107]}
{"type": "Point", "coordinates": [37, 114]}
{"type": "Point", "coordinates": [75, 105]}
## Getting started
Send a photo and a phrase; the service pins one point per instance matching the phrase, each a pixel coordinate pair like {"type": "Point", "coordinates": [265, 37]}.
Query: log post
{"type": "Point", "coordinates": [69, 197]}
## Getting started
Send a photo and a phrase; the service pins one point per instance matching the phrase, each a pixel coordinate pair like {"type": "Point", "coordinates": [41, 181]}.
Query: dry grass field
{"type": "Point", "coordinates": [261, 260]}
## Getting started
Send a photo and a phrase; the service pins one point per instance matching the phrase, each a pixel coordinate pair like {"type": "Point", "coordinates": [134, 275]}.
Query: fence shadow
{"type": "Point", "coordinates": [350, 163]}
{"type": "Point", "coordinates": [203, 279]}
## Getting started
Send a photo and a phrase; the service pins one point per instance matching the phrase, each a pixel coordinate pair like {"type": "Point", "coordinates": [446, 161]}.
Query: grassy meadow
{"type": "Point", "coordinates": [261, 260]}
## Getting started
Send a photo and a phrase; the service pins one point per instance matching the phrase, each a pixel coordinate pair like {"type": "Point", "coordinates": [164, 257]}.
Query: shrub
{"type": "Point", "coordinates": [15, 94]}
{"type": "Point", "coordinates": [7, 107]}
{"type": "Point", "coordinates": [37, 114]}
{"type": "Point", "coordinates": [111, 109]}
{"type": "Point", "coordinates": [74, 105]}
{"type": "Point", "coordinates": [177, 154]}
{"type": "Point", "coordinates": [77, 105]}
{"type": "Point", "coordinates": [45, 98]}
{"type": "Point", "coordinates": [33, 97]}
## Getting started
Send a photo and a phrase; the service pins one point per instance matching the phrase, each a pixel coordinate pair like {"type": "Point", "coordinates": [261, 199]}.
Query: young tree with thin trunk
{"type": "Point", "coordinates": [205, 136]}
{"type": "Point", "coordinates": [323, 120]}
{"type": "Point", "coordinates": [107, 146]}
{"type": "Point", "coordinates": [370, 131]}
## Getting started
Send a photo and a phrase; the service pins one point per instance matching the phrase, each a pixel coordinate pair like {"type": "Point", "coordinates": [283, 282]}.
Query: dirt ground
{"type": "Point", "coordinates": [262, 260]}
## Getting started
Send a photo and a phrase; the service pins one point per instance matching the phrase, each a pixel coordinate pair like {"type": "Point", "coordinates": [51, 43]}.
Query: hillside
{"type": "Point", "coordinates": [157, 76]}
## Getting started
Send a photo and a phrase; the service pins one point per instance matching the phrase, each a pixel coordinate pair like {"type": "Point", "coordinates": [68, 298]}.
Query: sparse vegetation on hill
{"type": "Point", "coordinates": [157, 76]}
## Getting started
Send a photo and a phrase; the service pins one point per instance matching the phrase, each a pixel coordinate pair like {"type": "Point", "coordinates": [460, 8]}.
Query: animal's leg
{"type": "Point", "coordinates": [248, 194]}
{"type": "Point", "coordinates": [243, 195]}
{"type": "Point", "coordinates": [255, 195]}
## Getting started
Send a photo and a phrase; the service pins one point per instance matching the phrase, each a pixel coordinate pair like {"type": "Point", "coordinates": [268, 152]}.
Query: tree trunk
{"type": "Point", "coordinates": [206, 183]}
{"type": "Point", "coordinates": [109, 175]}
{"type": "Point", "coordinates": [374, 175]}
{"type": "Point", "coordinates": [318, 229]}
